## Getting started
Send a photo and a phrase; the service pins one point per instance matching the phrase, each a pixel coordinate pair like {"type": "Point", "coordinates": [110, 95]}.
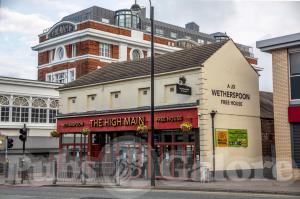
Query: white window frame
{"type": "Point", "coordinates": [105, 20]}
{"type": "Point", "coordinates": [67, 75]}
{"type": "Point", "coordinates": [159, 31]}
{"type": "Point", "coordinates": [293, 101]}
{"type": "Point", "coordinates": [105, 50]}
{"type": "Point", "coordinates": [173, 35]}
{"type": "Point", "coordinates": [74, 50]}
{"type": "Point", "coordinates": [201, 41]}
{"type": "Point", "coordinates": [141, 53]}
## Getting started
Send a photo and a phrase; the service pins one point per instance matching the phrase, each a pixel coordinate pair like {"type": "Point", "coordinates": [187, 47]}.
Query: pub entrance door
{"type": "Point", "coordinates": [175, 156]}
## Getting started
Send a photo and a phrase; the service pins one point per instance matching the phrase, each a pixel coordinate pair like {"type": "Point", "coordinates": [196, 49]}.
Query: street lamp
{"type": "Point", "coordinates": [213, 114]}
{"type": "Point", "coordinates": [137, 9]}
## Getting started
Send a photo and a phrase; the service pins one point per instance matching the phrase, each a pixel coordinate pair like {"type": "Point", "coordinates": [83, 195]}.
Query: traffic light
{"type": "Point", "coordinates": [23, 134]}
{"type": "Point", "coordinates": [10, 143]}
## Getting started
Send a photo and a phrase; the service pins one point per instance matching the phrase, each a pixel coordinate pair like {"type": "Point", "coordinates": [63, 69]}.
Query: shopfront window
{"type": "Point", "coordinates": [296, 144]}
{"type": "Point", "coordinates": [295, 75]}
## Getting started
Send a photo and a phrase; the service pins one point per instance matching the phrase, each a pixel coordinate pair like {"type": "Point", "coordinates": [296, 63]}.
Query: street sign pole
{"type": "Point", "coordinates": [6, 147]}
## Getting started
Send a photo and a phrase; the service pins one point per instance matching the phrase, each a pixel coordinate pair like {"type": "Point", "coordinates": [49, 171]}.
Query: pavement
{"type": "Point", "coordinates": [255, 186]}
{"type": "Point", "coordinates": [12, 192]}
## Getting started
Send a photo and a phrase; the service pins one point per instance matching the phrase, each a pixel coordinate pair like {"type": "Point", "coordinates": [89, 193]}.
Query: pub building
{"type": "Point", "coordinates": [112, 105]}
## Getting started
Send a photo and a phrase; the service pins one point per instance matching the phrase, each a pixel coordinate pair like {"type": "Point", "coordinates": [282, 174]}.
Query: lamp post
{"type": "Point", "coordinates": [137, 9]}
{"type": "Point", "coordinates": [213, 114]}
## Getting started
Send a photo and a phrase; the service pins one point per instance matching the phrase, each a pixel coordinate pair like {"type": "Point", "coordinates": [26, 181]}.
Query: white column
{"type": "Point", "coordinates": [123, 52]}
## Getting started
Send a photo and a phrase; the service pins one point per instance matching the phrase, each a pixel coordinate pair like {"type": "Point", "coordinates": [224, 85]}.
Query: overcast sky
{"type": "Point", "coordinates": [245, 22]}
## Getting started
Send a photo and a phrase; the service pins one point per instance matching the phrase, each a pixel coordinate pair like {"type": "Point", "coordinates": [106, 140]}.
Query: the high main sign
{"type": "Point", "coordinates": [61, 29]}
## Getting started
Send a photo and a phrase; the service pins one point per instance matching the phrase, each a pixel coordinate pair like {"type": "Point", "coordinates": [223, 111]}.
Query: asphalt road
{"type": "Point", "coordinates": [8, 192]}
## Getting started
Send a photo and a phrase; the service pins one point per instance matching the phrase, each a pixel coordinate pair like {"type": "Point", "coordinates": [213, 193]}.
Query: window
{"type": "Point", "coordinates": [125, 18]}
{"type": "Point", "coordinates": [136, 55]}
{"type": "Point", "coordinates": [115, 100]}
{"type": "Point", "coordinates": [71, 76]}
{"type": "Point", "coordinates": [296, 144]}
{"type": "Point", "coordinates": [71, 104]}
{"type": "Point", "coordinates": [49, 77]}
{"type": "Point", "coordinates": [159, 31]}
{"type": "Point", "coordinates": [51, 55]}
{"type": "Point", "coordinates": [91, 102]}
{"type": "Point", "coordinates": [105, 50]}
{"type": "Point", "coordinates": [39, 111]}
{"type": "Point", "coordinates": [200, 41]}
{"type": "Point", "coordinates": [148, 28]}
{"type": "Point", "coordinates": [173, 35]}
{"type": "Point", "coordinates": [60, 53]}
{"type": "Point", "coordinates": [4, 104]}
{"type": "Point", "coordinates": [63, 76]}
{"type": "Point", "coordinates": [20, 110]}
{"type": "Point", "coordinates": [74, 50]}
{"type": "Point", "coordinates": [295, 75]}
{"type": "Point", "coordinates": [208, 42]}
{"type": "Point", "coordinates": [144, 97]}
{"type": "Point", "coordinates": [53, 111]}
{"type": "Point", "coordinates": [104, 20]}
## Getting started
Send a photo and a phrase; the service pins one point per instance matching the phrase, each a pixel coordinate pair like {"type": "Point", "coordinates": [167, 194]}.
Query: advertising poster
{"type": "Point", "coordinates": [221, 137]}
{"type": "Point", "coordinates": [237, 138]}
{"type": "Point", "coordinates": [231, 138]}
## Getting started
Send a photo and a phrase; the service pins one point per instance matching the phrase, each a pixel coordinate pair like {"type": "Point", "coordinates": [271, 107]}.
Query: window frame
{"type": "Point", "coordinates": [293, 101]}
{"type": "Point", "coordinates": [105, 50]}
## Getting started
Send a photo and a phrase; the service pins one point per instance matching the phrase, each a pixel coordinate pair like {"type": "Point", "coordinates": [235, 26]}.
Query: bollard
{"type": "Point", "coordinates": [117, 176]}
{"type": "Point", "coordinates": [14, 174]}
{"type": "Point", "coordinates": [55, 172]}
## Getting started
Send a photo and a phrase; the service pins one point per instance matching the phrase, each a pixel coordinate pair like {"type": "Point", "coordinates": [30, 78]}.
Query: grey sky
{"type": "Point", "coordinates": [245, 21]}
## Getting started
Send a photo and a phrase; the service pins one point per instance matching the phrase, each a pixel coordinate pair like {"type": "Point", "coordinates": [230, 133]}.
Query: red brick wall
{"type": "Point", "coordinates": [251, 60]}
{"type": "Point", "coordinates": [115, 51]}
{"type": "Point", "coordinates": [145, 53]}
{"type": "Point", "coordinates": [128, 54]}
{"type": "Point", "coordinates": [43, 58]}
{"type": "Point", "coordinates": [103, 27]}
{"type": "Point", "coordinates": [87, 47]}
{"type": "Point", "coordinates": [42, 38]}
{"type": "Point", "coordinates": [158, 39]}
{"type": "Point", "coordinates": [82, 67]}
{"type": "Point", "coordinates": [69, 50]}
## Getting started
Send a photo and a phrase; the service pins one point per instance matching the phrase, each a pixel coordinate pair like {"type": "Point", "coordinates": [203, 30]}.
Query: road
{"type": "Point", "coordinates": [9, 192]}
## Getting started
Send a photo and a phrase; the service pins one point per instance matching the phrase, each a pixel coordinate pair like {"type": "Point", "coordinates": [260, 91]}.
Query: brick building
{"type": "Point", "coordinates": [285, 52]}
{"type": "Point", "coordinates": [91, 38]}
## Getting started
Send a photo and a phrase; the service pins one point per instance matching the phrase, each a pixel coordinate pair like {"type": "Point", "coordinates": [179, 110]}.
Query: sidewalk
{"type": "Point", "coordinates": [250, 186]}
{"type": "Point", "coordinates": [259, 186]}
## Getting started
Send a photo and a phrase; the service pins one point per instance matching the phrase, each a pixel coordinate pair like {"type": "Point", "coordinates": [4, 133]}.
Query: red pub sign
{"type": "Point", "coordinates": [167, 119]}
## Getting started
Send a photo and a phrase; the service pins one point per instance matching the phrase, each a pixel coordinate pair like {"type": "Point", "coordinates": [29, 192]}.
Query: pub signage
{"type": "Point", "coordinates": [231, 97]}
{"type": "Point", "coordinates": [183, 89]}
{"type": "Point", "coordinates": [127, 121]}
{"type": "Point", "coordinates": [61, 29]}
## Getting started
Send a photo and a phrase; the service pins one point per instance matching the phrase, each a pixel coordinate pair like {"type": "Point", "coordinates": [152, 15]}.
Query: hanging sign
{"type": "Point", "coordinates": [183, 89]}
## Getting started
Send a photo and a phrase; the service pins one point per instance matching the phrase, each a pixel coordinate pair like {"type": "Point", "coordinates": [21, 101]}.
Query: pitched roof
{"type": "Point", "coordinates": [266, 105]}
{"type": "Point", "coordinates": [169, 62]}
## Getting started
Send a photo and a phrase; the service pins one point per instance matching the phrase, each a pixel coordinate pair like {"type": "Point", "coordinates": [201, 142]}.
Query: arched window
{"type": "Point", "coordinates": [4, 105]}
{"type": "Point", "coordinates": [39, 111]}
{"type": "Point", "coordinates": [20, 109]}
{"type": "Point", "coordinates": [136, 55]}
{"type": "Point", "coordinates": [53, 111]}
